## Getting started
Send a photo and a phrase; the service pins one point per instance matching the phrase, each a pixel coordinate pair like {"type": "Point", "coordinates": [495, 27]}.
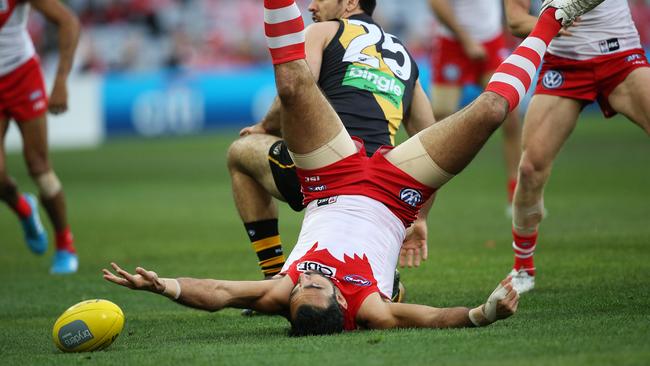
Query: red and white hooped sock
{"type": "Point", "coordinates": [524, 247]}
{"type": "Point", "coordinates": [285, 30]}
{"type": "Point", "coordinates": [513, 77]}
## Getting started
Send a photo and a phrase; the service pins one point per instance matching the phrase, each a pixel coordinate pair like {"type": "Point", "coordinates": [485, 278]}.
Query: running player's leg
{"type": "Point", "coordinates": [24, 205]}
{"type": "Point", "coordinates": [549, 122]}
{"type": "Point", "coordinates": [449, 145]}
{"type": "Point", "coordinates": [34, 134]}
{"type": "Point", "coordinates": [511, 130]}
{"type": "Point", "coordinates": [253, 190]}
{"type": "Point", "coordinates": [310, 126]}
{"type": "Point", "coordinates": [444, 100]}
{"type": "Point", "coordinates": [632, 98]}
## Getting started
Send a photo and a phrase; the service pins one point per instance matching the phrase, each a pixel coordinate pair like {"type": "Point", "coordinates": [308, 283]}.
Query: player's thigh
{"type": "Point", "coordinates": [632, 97]}
{"type": "Point", "coordinates": [250, 155]}
{"type": "Point", "coordinates": [308, 119]}
{"type": "Point", "coordinates": [548, 124]}
{"type": "Point", "coordinates": [445, 99]}
{"type": "Point", "coordinates": [34, 134]}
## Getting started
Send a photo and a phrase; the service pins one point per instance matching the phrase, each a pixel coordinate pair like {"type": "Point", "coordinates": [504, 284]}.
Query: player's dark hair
{"type": "Point", "coordinates": [368, 6]}
{"type": "Point", "coordinates": [312, 320]}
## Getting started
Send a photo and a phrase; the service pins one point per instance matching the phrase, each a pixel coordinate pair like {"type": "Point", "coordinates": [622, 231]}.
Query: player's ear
{"type": "Point", "coordinates": [351, 5]}
{"type": "Point", "coordinates": [341, 300]}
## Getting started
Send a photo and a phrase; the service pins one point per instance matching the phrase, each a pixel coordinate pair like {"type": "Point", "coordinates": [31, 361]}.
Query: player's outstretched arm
{"type": "Point", "coordinates": [270, 297]}
{"type": "Point", "coordinates": [501, 304]}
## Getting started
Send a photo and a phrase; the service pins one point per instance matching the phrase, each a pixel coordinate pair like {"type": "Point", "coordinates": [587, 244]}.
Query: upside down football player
{"type": "Point", "coordinates": [340, 273]}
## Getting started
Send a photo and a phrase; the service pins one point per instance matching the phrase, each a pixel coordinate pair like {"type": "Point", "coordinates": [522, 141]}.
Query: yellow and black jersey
{"type": "Point", "coordinates": [368, 77]}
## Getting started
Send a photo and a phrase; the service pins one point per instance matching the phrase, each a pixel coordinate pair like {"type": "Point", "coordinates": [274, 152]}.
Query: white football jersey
{"type": "Point", "coordinates": [16, 45]}
{"type": "Point", "coordinates": [349, 225]}
{"type": "Point", "coordinates": [482, 19]}
{"type": "Point", "coordinates": [606, 29]}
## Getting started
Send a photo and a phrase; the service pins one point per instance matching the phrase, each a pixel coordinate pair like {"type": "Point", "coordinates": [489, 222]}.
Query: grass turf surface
{"type": "Point", "coordinates": [166, 205]}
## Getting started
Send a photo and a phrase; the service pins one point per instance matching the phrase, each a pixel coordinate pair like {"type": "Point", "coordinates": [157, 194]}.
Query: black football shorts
{"type": "Point", "coordinates": [284, 175]}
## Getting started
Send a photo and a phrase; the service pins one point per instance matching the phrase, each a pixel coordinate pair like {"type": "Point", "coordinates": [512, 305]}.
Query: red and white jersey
{"type": "Point", "coordinates": [482, 19]}
{"type": "Point", "coordinates": [354, 240]}
{"type": "Point", "coordinates": [16, 45]}
{"type": "Point", "coordinates": [606, 29]}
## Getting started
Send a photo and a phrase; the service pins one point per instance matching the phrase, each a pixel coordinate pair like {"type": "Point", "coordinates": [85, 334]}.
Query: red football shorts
{"type": "Point", "coordinates": [588, 80]}
{"type": "Point", "coordinates": [452, 67]}
{"type": "Point", "coordinates": [373, 177]}
{"type": "Point", "coordinates": [22, 92]}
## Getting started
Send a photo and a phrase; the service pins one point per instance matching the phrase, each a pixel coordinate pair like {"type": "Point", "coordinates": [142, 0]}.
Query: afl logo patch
{"type": "Point", "coordinates": [357, 280]}
{"type": "Point", "coordinates": [410, 196]}
{"type": "Point", "coordinates": [552, 79]}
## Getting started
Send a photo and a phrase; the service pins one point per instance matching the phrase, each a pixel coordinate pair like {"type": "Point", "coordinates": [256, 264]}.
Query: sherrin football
{"type": "Point", "coordinates": [90, 325]}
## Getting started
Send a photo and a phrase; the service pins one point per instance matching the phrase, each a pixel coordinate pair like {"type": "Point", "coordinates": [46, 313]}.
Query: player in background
{"type": "Point", "coordinates": [23, 98]}
{"type": "Point", "coordinates": [469, 47]}
{"type": "Point", "coordinates": [340, 272]}
{"type": "Point", "coordinates": [600, 59]}
{"type": "Point", "coordinates": [371, 98]}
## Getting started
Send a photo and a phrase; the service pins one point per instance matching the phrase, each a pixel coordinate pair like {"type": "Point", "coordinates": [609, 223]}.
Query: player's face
{"type": "Point", "coordinates": [312, 289]}
{"type": "Point", "coordinates": [324, 10]}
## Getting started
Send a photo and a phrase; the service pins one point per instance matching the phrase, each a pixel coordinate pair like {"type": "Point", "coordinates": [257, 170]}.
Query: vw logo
{"type": "Point", "coordinates": [410, 196]}
{"type": "Point", "coordinates": [552, 79]}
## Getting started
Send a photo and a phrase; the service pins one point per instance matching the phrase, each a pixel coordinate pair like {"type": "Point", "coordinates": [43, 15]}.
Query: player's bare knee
{"type": "Point", "coordinates": [290, 83]}
{"type": "Point", "coordinates": [490, 108]}
{"type": "Point", "coordinates": [48, 184]}
{"type": "Point", "coordinates": [235, 153]}
{"type": "Point", "coordinates": [531, 173]}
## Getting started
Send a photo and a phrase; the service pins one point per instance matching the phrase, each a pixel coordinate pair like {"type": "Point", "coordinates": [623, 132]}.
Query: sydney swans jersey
{"type": "Point", "coordinates": [607, 29]}
{"type": "Point", "coordinates": [354, 240]}
{"type": "Point", "coordinates": [368, 77]}
{"type": "Point", "coordinates": [16, 45]}
{"type": "Point", "coordinates": [482, 19]}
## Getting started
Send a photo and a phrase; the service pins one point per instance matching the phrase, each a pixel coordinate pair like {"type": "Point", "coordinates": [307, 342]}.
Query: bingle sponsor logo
{"type": "Point", "coordinates": [377, 82]}
{"type": "Point", "coordinates": [74, 334]}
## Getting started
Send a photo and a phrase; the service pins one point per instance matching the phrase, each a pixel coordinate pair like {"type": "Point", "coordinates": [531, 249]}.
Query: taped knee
{"type": "Point", "coordinates": [521, 217]}
{"type": "Point", "coordinates": [340, 147]}
{"type": "Point", "coordinates": [48, 184]}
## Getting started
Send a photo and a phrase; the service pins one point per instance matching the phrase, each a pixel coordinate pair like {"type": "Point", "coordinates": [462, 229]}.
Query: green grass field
{"type": "Point", "coordinates": [166, 205]}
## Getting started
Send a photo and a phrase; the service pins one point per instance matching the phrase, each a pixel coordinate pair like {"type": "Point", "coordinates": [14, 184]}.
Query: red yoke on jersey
{"type": "Point", "coordinates": [6, 9]}
{"type": "Point", "coordinates": [352, 276]}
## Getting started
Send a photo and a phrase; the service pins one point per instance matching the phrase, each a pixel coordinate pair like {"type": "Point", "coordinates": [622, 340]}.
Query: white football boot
{"type": "Point", "coordinates": [569, 10]}
{"type": "Point", "coordinates": [522, 281]}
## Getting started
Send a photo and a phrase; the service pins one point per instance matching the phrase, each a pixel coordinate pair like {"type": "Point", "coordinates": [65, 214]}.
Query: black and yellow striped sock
{"type": "Point", "coordinates": [265, 237]}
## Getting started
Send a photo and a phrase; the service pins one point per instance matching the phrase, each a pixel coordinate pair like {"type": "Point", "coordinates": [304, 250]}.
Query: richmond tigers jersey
{"type": "Point", "coordinates": [368, 77]}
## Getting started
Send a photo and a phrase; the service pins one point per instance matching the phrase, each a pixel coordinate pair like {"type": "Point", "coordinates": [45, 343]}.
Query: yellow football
{"type": "Point", "coordinates": [90, 325]}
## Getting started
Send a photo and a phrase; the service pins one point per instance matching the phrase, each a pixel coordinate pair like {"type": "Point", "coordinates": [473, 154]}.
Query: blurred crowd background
{"type": "Point", "coordinates": [142, 35]}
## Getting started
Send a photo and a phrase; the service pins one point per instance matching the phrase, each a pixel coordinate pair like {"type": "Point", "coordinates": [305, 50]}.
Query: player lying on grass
{"type": "Point", "coordinates": [341, 270]}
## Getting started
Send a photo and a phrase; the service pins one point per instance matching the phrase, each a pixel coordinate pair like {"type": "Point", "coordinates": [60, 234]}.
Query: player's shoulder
{"type": "Point", "coordinates": [322, 32]}
{"type": "Point", "coordinates": [323, 28]}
